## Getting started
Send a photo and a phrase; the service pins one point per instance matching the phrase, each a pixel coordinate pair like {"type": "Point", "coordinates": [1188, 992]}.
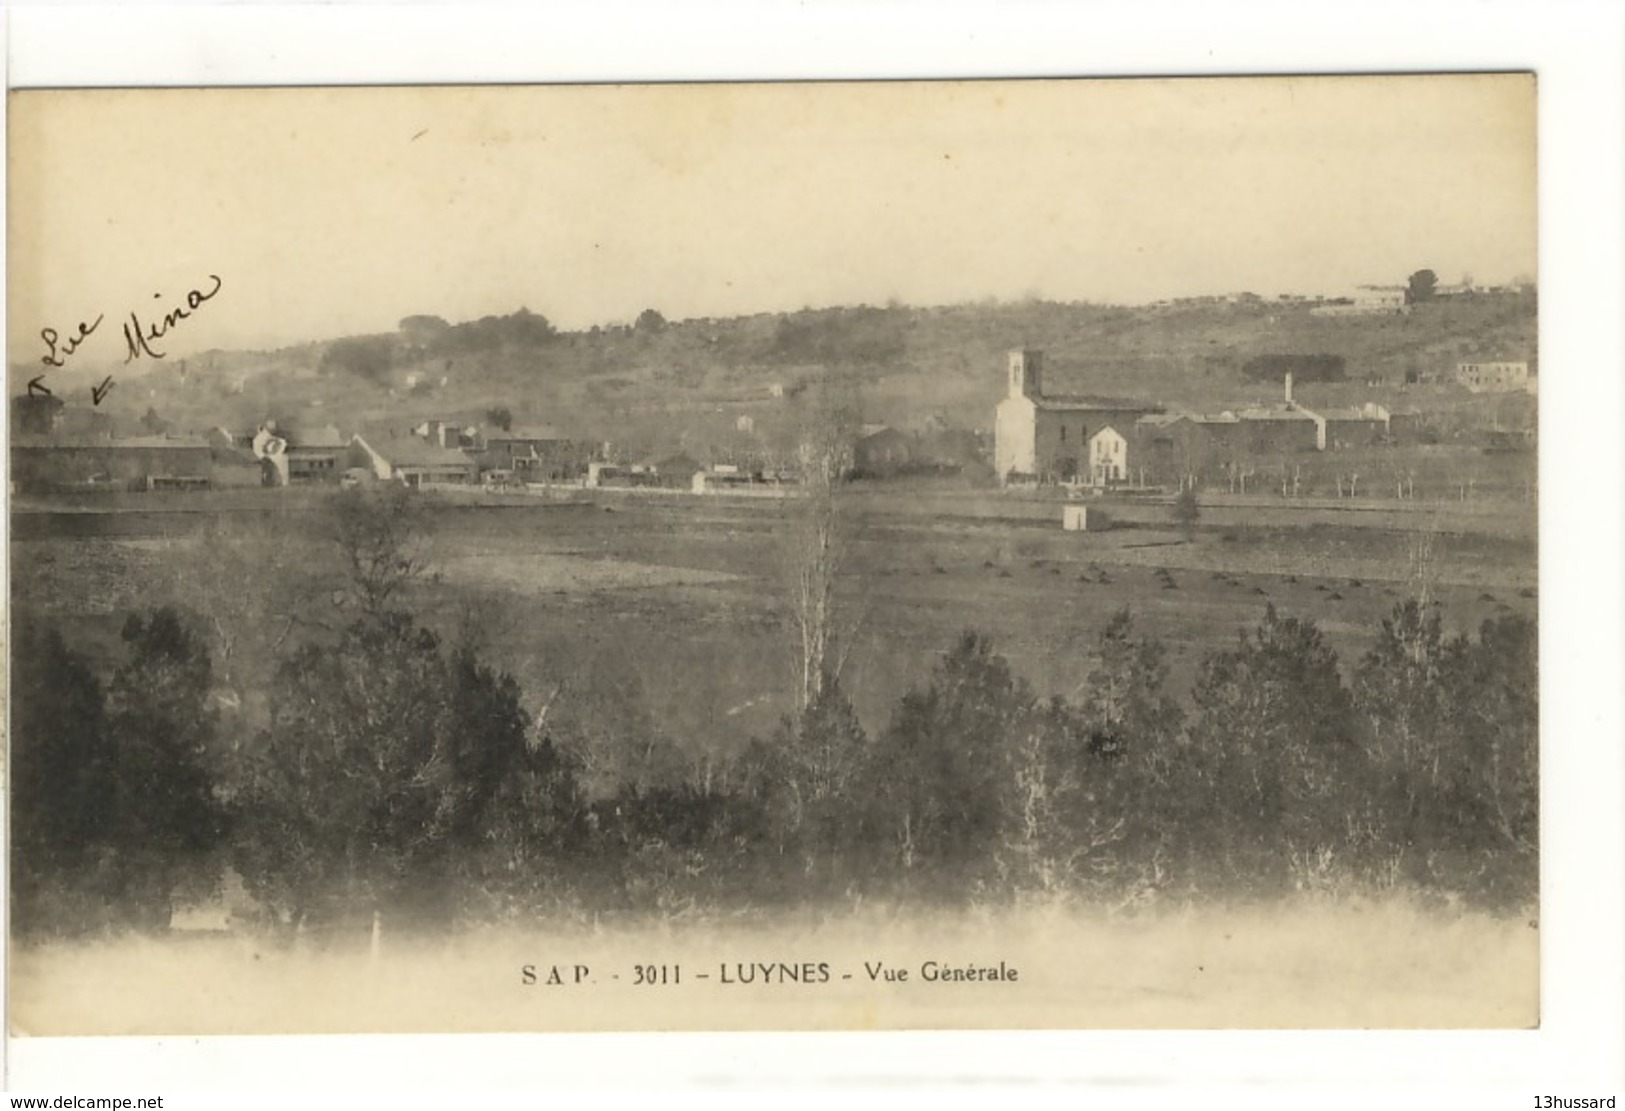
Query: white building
{"type": "Point", "coordinates": [1367, 300]}
{"type": "Point", "coordinates": [1493, 377]}
{"type": "Point", "coordinates": [1079, 518]}
{"type": "Point", "coordinates": [1108, 457]}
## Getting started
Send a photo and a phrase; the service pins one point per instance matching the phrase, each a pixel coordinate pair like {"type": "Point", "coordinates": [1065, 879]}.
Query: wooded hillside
{"type": "Point", "coordinates": [651, 384]}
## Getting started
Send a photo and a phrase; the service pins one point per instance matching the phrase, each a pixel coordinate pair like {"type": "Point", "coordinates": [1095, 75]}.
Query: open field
{"type": "Point", "coordinates": [687, 596]}
{"type": "Point", "coordinates": [1303, 964]}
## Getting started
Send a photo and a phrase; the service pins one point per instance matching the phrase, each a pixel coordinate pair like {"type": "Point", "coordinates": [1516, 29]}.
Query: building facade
{"type": "Point", "coordinates": [1355, 427]}
{"type": "Point", "coordinates": [536, 454]}
{"type": "Point", "coordinates": [1108, 457]}
{"type": "Point", "coordinates": [40, 463]}
{"type": "Point", "coordinates": [413, 462]}
{"type": "Point", "coordinates": [881, 449]}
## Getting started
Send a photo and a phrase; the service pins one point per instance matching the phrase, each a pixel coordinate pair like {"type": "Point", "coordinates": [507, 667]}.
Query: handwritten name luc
{"type": "Point", "coordinates": [58, 349]}
{"type": "Point", "coordinates": [139, 341]}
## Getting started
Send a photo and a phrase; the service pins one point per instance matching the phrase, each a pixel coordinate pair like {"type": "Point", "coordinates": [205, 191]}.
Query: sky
{"type": "Point", "coordinates": [326, 212]}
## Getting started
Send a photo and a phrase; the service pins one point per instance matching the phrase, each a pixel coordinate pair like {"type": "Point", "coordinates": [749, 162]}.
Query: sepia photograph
{"type": "Point", "coordinates": [883, 555]}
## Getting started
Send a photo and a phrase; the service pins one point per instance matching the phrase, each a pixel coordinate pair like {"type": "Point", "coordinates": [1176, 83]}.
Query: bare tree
{"type": "Point", "coordinates": [818, 541]}
{"type": "Point", "coordinates": [251, 592]}
{"type": "Point", "coordinates": [1423, 563]}
{"type": "Point", "coordinates": [379, 533]}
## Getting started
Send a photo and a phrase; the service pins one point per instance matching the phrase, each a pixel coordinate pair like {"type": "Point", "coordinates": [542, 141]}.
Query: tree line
{"type": "Point", "coordinates": [400, 774]}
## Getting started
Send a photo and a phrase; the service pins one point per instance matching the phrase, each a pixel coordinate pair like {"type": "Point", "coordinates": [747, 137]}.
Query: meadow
{"type": "Point", "coordinates": [688, 596]}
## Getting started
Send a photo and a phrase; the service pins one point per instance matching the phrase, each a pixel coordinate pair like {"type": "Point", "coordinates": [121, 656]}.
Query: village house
{"type": "Point", "coordinates": [1166, 446]}
{"type": "Point", "coordinates": [1108, 457]}
{"type": "Point", "coordinates": [1280, 428]}
{"type": "Point", "coordinates": [881, 449]}
{"type": "Point", "coordinates": [1177, 448]}
{"type": "Point", "coordinates": [946, 449]}
{"type": "Point", "coordinates": [412, 461]}
{"type": "Point", "coordinates": [727, 476]}
{"type": "Point", "coordinates": [315, 455]}
{"type": "Point", "coordinates": [232, 460]}
{"type": "Point", "coordinates": [60, 462]}
{"type": "Point", "coordinates": [298, 457]}
{"type": "Point", "coordinates": [538, 453]}
{"type": "Point", "coordinates": [1355, 427]}
{"type": "Point", "coordinates": [1407, 426]}
{"type": "Point", "coordinates": [223, 440]}
{"type": "Point", "coordinates": [1040, 437]}
{"type": "Point", "coordinates": [601, 473]}
{"type": "Point", "coordinates": [447, 434]}
{"type": "Point", "coordinates": [675, 471]}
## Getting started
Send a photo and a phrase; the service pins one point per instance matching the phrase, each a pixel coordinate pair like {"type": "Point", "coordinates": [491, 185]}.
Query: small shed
{"type": "Point", "coordinates": [1081, 518]}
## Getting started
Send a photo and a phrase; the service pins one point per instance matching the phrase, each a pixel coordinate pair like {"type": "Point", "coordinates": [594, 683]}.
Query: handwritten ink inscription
{"type": "Point", "coordinates": [139, 340]}
{"type": "Point", "coordinates": [57, 349]}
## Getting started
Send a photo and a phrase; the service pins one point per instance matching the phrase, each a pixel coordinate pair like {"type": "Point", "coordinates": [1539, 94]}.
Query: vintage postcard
{"type": "Point", "coordinates": [1020, 554]}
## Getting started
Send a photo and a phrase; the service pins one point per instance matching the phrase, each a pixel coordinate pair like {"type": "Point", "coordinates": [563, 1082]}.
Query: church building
{"type": "Point", "coordinates": [1039, 437]}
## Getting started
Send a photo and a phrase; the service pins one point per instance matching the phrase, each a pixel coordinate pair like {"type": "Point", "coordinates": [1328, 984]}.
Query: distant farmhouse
{"type": "Point", "coordinates": [1367, 300]}
{"type": "Point", "coordinates": [1039, 437]}
{"type": "Point", "coordinates": [1495, 377]}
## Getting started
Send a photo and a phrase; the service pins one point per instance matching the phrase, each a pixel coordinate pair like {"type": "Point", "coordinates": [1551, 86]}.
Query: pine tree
{"type": "Point", "coordinates": [1274, 744]}
{"type": "Point", "coordinates": [944, 783]}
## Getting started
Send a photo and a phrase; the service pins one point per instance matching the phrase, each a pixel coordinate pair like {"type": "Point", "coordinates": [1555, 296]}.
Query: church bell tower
{"type": "Point", "coordinates": [1026, 373]}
